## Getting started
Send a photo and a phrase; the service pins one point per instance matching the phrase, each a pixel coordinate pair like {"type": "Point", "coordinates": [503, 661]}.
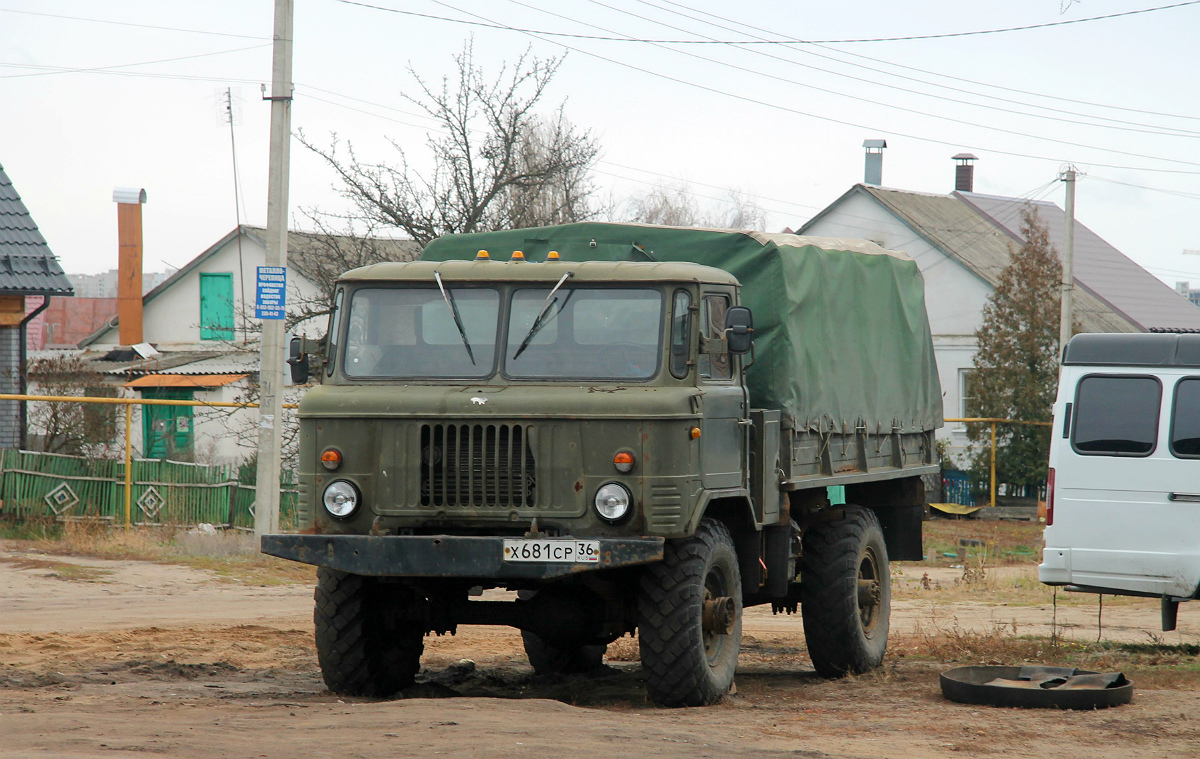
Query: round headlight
{"type": "Point", "coordinates": [612, 501]}
{"type": "Point", "coordinates": [341, 498]}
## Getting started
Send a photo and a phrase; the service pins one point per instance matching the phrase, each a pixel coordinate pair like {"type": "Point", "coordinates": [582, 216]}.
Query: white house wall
{"type": "Point", "coordinates": [173, 316]}
{"type": "Point", "coordinates": [954, 296]}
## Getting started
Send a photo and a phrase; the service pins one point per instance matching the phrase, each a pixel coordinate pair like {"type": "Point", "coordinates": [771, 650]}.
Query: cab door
{"type": "Point", "coordinates": [723, 438]}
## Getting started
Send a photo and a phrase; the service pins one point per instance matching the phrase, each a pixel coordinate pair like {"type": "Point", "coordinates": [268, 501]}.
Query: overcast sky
{"type": "Point", "coordinates": [783, 124]}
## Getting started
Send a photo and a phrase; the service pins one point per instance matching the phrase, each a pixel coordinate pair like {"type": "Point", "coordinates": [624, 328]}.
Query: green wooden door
{"type": "Point", "coordinates": [167, 430]}
{"type": "Point", "coordinates": [216, 306]}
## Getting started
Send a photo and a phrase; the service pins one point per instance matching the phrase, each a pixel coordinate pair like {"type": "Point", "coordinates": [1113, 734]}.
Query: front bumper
{"type": "Point", "coordinates": [446, 555]}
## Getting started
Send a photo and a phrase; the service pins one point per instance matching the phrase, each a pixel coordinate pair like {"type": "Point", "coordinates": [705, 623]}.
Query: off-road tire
{"type": "Point", "coordinates": [364, 646]}
{"type": "Point", "coordinates": [684, 666]}
{"type": "Point", "coordinates": [845, 635]}
{"type": "Point", "coordinates": [560, 659]}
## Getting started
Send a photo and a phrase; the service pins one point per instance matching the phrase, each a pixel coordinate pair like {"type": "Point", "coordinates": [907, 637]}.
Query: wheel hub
{"type": "Point", "coordinates": [870, 590]}
{"type": "Point", "coordinates": [718, 615]}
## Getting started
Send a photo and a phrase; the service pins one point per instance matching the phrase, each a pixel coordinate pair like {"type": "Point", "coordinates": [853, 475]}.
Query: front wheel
{"type": "Point", "coordinates": [365, 644]}
{"type": "Point", "coordinates": [845, 593]}
{"type": "Point", "coordinates": [690, 618]}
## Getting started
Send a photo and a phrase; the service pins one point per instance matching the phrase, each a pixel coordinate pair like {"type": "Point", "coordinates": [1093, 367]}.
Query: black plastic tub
{"type": "Point", "coordinates": [1035, 687]}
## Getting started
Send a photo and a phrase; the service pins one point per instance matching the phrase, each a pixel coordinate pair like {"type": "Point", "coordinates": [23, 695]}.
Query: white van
{"type": "Point", "coordinates": [1123, 497]}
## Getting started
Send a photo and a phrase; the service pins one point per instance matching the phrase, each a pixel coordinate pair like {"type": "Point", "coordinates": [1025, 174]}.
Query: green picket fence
{"type": "Point", "coordinates": [163, 492]}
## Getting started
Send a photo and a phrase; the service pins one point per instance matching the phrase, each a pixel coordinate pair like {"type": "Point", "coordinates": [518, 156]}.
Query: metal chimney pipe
{"type": "Point", "coordinates": [129, 202]}
{"type": "Point", "coordinates": [964, 172]}
{"type": "Point", "coordinates": [873, 170]}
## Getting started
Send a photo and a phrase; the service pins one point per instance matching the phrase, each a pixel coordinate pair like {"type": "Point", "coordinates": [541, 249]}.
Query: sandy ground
{"type": "Point", "coordinates": [124, 658]}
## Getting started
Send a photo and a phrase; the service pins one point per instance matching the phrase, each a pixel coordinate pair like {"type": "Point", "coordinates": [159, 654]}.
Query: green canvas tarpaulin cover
{"type": "Point", "coordinates": [841, 336]}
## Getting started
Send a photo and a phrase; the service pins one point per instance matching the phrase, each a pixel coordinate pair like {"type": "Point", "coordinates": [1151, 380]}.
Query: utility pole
{"type": "Point", "coordinates": [1067, 319]}
{"type": "Point", "coordinates": [270, 409]}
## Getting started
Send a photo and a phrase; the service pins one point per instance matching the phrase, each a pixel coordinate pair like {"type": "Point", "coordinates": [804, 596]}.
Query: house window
{"type": "Point", "coordinates": [968, 406]}
{"type": "Point", "coordinates": [216, 306]}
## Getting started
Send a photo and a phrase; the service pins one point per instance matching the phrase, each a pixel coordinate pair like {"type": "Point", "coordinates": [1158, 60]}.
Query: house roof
{"type": "Point", "coordinates": [982, 244]}
{"type": "Point", "coordinates": [1111, 275]}
{"type": "Point", "coordinates": [185, 380]}
{"type": "Point", "coordinates": [27, 267]}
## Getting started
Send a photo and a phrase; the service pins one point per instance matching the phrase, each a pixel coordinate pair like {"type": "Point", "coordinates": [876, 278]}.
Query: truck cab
{"type": "Point", "coordinates": [568, 386]}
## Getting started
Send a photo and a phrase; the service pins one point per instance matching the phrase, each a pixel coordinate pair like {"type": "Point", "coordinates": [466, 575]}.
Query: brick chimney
{"type": "Point", "coordinates": [964, 172]}
{"type": "Point", "coordinates": [873, 171]}
{"type": "Point", "coordinates": [129, 202]}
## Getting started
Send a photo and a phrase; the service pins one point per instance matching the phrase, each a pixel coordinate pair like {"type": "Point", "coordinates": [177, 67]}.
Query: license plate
{"type": "Point", "coordinates": [567, 551]}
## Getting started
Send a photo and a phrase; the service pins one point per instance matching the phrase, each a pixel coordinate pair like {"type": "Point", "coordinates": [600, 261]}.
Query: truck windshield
{"type": "Point", "coordinates": [587, 333]}
{"type": "Point", "coordinates": [411, 332]}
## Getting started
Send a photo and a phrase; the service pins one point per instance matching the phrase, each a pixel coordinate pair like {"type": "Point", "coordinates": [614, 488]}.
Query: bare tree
{"type": "Point", "coordinates": [325, 254]}
{"type": "Point", "coordinates": [672, 206]}
{"type": "Point", "coordinates": [78, 429]}
{"type": "Point", "coordinates": [676, 206]}
{"type": "Point", "coordinates": [495, 163]}
{"type": "Point", "coordinates": [743, 213]}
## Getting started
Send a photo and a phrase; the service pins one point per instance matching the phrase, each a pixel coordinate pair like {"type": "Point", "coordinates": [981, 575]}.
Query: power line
{"type": "Point", "coordinates": [947, 76]}
{"type": "Point", "coordinates": [778, 106]}
{"type": "Point", "coordinates": [51, 70]}
{"type": "Point", "coordinates": [1179, 193]}
{"type": "Point", "coordinates": [139, 26]}
{"type": "Point", "coordinates": [489, 24]}
{"type": "Point", "coordinates": [1132, 126]}
{"type": "Point", "coordinates": [838, 93]}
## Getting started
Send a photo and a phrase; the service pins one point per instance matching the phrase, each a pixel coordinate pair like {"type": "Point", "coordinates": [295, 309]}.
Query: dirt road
{"type": "Point", "coordinates": [103, 658]}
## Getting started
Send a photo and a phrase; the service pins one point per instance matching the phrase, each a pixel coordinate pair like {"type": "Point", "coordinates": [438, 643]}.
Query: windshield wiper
{"type": "Point", "coordinates": [457, 318]}
{"type": "Point", "coordinates": [537, 322]}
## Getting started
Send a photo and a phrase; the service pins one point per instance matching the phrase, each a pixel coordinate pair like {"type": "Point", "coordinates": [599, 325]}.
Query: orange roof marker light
{"type": "Point", "coordinates": [482, 256]}
{"type": "Point", "coordinates": [518, 256]}
{"type": "Point", "coordinates": [552, 255]}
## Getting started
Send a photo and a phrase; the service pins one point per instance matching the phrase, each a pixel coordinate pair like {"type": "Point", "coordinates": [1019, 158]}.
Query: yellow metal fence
{"type": "Point", "coordinates": [992, 422]}
{"type": "Point", "coordinates": [129, 403]}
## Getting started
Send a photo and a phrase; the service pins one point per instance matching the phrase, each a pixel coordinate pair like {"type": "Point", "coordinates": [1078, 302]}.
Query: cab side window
{"type": "Point", "coordinates": [1116, 415]}
{"type": "Point", "coordinates": [1185, 419]}
{"type": "Point", "coordinates": [714, 366]}
{"type": "Point", "coordinates": [681, 326]}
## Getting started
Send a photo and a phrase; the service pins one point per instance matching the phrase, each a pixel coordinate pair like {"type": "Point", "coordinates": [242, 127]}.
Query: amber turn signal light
{"type": "Point", "coordinates": [695, 432]}
{"type": "Point", "coordinates": [623, 461]}
{"type": "Point", "coordinates": [331, 459]}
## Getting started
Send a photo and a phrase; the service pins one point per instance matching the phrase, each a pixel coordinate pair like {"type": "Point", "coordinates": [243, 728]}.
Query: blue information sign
{"type": "Point", "coordinates": [271, 299]}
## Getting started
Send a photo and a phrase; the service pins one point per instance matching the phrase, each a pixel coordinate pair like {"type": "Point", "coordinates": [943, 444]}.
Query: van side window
{"type": "Point", "coordinates": [1116, 416]}
{"type": "Point", "coordinates": [1185, 419]}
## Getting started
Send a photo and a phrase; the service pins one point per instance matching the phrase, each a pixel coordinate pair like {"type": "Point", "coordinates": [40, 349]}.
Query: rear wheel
{"type": "Point", "coordinates": [690, 618]}
{"type": "Point", "coordinates": [560, 658]}
{"type": "Point", "coordinates": [845, 593]}
{"type": "Point", "coordinates": [366, 645]}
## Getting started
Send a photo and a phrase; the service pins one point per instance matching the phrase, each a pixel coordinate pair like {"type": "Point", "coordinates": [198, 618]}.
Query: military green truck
{"type": "Point", "coordinates": [635, 428]}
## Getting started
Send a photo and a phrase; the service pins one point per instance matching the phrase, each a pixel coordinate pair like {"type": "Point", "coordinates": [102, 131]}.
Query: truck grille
{"type": "Point", "coordinates": [477, 465]}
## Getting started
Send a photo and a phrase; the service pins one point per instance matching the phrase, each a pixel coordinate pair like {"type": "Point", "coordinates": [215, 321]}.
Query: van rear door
{"type": "Point", "coordinates": [1115, 473]}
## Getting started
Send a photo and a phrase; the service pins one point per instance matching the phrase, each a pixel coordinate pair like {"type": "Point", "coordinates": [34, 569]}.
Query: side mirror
{"type": "Point", "coordinates": [739, 329]}
{"type": "Point", "coordinates": [298, 362]}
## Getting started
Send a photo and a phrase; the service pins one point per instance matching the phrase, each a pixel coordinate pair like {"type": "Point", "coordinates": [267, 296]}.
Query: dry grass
{"type": "Point", "coordinates": [998, 543]}
{"type": "Point", "coordinates": [231, 555]}
{"type": "Point", "coordinates": [60, 569]}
